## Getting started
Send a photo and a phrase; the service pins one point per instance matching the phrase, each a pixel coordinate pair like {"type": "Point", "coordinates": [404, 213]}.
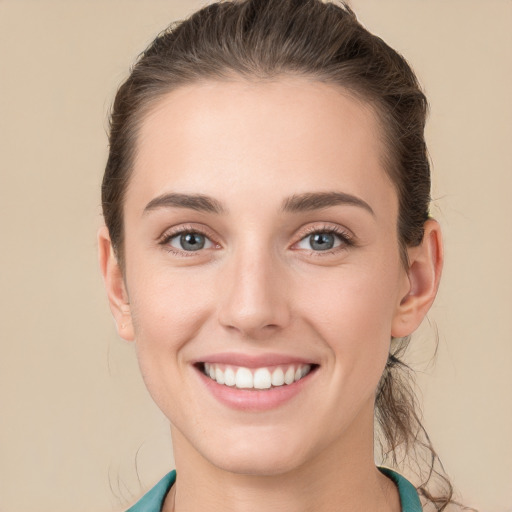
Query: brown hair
{"type": "Point", "coordinates": [263, 39]}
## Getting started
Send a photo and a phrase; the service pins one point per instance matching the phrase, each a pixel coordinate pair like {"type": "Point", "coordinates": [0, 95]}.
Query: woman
{"type": "Point", "coordinates": [268, 247]}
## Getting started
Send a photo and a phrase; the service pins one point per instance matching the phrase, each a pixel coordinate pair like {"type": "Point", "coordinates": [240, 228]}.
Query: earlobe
{"type": "Point", "coordinates": [423, 276]}
{"type": "Point", "coordinates": [115, 285]}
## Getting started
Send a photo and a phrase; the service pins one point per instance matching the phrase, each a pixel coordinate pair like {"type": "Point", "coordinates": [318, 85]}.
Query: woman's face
{"type": "Point", "coordinates": [261, 245]}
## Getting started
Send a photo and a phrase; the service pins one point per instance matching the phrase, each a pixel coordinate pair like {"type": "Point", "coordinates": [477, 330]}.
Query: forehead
{"type": "Point", "coordinates": [289, 134]}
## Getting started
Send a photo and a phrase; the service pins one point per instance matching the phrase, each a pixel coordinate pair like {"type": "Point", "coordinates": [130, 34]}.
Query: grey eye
{"type": "Point", "coordinates": [321, 241]}
{"type": "Point", "coordinates": [190, 241]}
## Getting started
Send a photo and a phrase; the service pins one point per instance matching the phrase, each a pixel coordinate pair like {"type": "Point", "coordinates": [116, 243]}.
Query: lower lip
{"type": "Point", "coordinates": [255, 399]}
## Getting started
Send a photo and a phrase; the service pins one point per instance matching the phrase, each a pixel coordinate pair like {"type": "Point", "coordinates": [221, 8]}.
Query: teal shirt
{"type": "Point", "coordinates": [154, 499]}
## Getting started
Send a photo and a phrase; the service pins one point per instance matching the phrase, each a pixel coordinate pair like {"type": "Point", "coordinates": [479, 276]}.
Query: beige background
{"type": "Point", "coordinates": [78, 430]}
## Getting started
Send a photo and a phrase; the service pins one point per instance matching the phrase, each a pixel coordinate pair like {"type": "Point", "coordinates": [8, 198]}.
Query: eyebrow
{"type": "Point", "coordinates": [198, 202]}
{"type": "Point", "coordinates": [318, 200]}
{"type": "Point", "coordinates": [296, 203]}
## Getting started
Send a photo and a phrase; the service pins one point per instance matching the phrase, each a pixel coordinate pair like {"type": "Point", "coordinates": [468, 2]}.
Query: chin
{"type": "Point", "coordinates": [270, 456]}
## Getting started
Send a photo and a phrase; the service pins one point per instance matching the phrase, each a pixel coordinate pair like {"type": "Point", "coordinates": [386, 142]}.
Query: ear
{"type": "Point", "coordinates": [115, 285]}
{"type": "Point", "coordinates": [422, 281]}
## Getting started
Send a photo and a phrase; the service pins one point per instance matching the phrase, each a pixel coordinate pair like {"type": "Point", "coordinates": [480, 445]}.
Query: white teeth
{"type": "Point", "coordinates": [277, 377]}
{"type": "Point", "coordinates": [260, 378]}
{"type": "Point", "coordinates": [289, 376]}
{"type": "Point", "coordinates": [219, 375]}
{"type": "Point", "coordinates": [243, 378]}
{"type": "Point", "coordinates": [229, 377]}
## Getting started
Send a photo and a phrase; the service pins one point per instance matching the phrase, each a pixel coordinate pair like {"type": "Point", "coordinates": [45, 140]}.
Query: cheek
{"type": "Point", "coordinates": [353, 313]}
{"type": "Point", "coordinates": [167, 308]}
{"type": "Point", "coordinates": [359, 300]}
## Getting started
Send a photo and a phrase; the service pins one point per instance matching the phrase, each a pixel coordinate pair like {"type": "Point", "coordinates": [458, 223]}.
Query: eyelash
{"type": "Point", "coordinates": [168, 236]}
{"type": "Point", "coordinates": [344, 236]}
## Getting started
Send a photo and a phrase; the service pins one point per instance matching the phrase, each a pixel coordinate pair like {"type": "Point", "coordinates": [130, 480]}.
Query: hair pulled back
{"type": "Point", "coordinates": [265, 39]}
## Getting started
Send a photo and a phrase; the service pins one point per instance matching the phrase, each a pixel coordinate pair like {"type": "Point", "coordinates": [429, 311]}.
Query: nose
{"type": "Point", "coordinates": [253, 302]}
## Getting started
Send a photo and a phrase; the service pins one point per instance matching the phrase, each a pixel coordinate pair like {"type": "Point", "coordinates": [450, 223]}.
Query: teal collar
{"type": "Point", "coordinates": [154, 499]}
{"type": "Point", "coordinates": [409, 499]}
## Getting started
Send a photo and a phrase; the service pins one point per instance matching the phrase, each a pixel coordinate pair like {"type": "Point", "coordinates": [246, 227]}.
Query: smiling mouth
{"type": "Point", "coordinates": [256, 378]}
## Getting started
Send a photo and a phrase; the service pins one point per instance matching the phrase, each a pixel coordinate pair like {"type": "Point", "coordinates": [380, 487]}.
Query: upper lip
{"type": "Point", "coordinates": [253, 361]}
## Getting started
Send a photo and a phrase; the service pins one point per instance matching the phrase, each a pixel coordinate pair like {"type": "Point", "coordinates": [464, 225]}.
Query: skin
{"type": "Point", "coordinates": [258, 287]}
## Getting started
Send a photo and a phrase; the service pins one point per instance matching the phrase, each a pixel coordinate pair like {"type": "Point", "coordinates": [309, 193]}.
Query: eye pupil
{"type": "Point", "coordinates": [322, 241]}
{"type": "Point", "coordinates": [192, 241]}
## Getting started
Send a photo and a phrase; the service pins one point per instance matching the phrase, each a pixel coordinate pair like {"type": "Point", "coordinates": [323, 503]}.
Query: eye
{"type": "Point", "coordinates": [319, 240]}
{"type": "Point", "coordinates": [189, 241]}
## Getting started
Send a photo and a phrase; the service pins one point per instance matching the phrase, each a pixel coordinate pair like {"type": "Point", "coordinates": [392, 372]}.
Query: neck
{"type": "Point", "coordinates": [340, 478]}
